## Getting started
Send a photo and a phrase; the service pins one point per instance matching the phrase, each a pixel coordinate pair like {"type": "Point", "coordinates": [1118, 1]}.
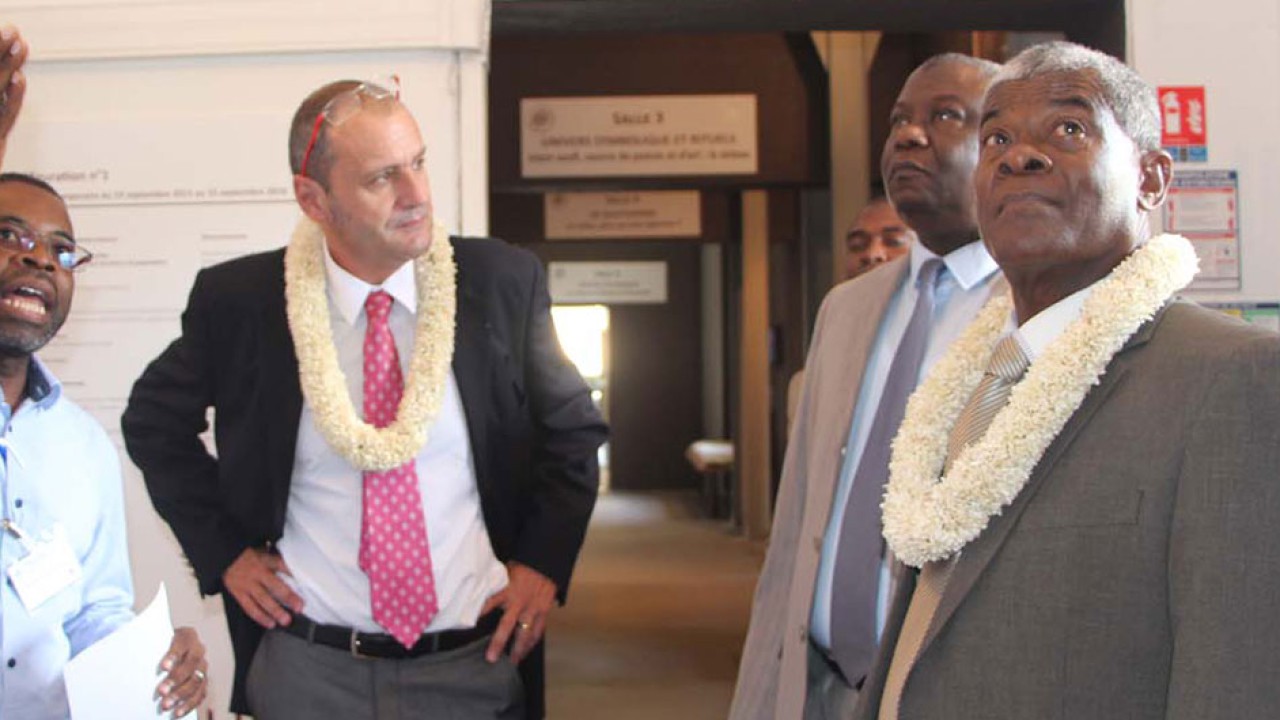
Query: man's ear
{"type": "Point", "coordinates": [312, 198]}
{"type": "Point", "coordinates": [1156, 167]}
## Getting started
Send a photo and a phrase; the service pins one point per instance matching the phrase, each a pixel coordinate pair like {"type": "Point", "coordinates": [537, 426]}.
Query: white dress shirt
{"type": "Point", "coordinates": [1044, 327]}
{"type": "Point", "coordinates": [321, 539]}
{"type": "Point", "coordinates": [960, 293]}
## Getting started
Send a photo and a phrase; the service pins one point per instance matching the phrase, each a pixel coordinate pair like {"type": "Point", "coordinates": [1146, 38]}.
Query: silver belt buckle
{"type": "Point", "coordinates": [355, 646]}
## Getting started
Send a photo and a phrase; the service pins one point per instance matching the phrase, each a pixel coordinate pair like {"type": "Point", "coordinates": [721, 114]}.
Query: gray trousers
{"type": "Point", "coordinates": [828, 696]}
{"type": "Point", "coordinates": [292, 678]}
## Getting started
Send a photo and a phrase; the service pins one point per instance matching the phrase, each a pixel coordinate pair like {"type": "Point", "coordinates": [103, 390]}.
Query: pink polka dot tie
{"type": "Point", "coordinates": [393, 531]}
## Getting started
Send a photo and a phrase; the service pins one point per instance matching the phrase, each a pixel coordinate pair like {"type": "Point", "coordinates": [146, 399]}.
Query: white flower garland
{"type": "Point", "coordinates": [929, 516]}
{"type": "Point", "coordinates": [323, 384]}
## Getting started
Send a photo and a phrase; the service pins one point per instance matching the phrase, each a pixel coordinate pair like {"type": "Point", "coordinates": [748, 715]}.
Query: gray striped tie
{"type": "Point", "coordinates": [1007, 364]}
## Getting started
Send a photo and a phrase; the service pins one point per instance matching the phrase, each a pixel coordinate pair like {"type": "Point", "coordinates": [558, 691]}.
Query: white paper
{"type": "Point", "coordinates": [117, 676]}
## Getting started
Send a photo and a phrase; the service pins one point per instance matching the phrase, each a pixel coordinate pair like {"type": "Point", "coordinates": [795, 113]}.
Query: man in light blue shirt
{"type": "Point", "coordinates": [790, 667]}
{"type": "Point", "coordinates": [61, 482]}
{"type": "Point", "coordinates": [62, 547]}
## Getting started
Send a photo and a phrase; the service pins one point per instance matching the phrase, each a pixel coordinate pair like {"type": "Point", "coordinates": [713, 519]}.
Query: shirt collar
{"type": "Point", "coordinates": [970, 264]}
{"type": "Point", "coordinates": [42, 390]}
{"type": "Point", "coordinates": [42, 387]}
{"type": "Point", "coordinates": [349, 292]}
{"type": "Point", "coordinates": [1045, 326]}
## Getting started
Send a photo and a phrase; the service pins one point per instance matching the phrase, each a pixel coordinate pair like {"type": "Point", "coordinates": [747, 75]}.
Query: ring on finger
{"type": "Point", "coordinates": [525, 624]}
{"type": "Point", "coordinates": [199, 675]}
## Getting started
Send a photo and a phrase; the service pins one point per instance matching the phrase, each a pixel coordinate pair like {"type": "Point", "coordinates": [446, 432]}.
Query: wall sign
{"type": "Point", "coordinates": [1183, 131]}
{"type": "Point", "coordinates": [589, 216]}
{"type": "Point", "coordinates": [610, 283]}
{"type": "Point", "coordinates": [630, 136]}
{"type": "Point", "coordinates": [1204, 206]}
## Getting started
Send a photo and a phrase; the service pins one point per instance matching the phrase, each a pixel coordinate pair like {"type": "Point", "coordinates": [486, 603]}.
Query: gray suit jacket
{"type": "Point", "coordinates": [771, 679]}
{"type": "Point", "coordinates": [1137, 575]}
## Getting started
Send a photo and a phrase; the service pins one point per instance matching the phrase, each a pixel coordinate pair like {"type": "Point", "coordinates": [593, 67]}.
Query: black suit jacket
{"type": "Point", "coordinates": [533, 428]}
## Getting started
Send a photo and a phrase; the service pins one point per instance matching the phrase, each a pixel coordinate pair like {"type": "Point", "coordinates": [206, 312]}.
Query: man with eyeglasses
{"type": "Point", "coordinates": [62, 543]}
{"type": "Point", "coordinates": [406, 461]}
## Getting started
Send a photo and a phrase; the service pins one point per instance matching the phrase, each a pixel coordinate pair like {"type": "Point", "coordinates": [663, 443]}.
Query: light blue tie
{"type": "Point", "coordinates": [856, 580]}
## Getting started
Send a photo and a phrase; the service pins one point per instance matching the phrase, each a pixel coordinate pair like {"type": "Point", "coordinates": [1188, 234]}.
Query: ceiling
{"type": "Point", "coordinates": [646, 16]}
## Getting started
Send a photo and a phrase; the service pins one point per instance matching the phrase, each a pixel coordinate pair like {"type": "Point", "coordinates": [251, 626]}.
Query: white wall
{"type": "Point", "coordinates": [1233, 49]}
{"type": "Point", "coordinates": [165, 123]}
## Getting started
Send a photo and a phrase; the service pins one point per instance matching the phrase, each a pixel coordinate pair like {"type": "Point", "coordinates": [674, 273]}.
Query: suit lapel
{"type": "Point", "coordinates": [979, 553]}
{"type": "Point", "coordinates": [283, 392]}
{"type": "Point", "coordinates": [471, 357]}
{"type": "Point", "coordinates": [872, 690]}
{"type": "Point", "coordinates": [849, 360]}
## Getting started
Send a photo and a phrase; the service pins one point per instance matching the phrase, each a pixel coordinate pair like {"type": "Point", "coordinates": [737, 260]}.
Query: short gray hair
{"type": "Point", "coordinates": [1130, 99]}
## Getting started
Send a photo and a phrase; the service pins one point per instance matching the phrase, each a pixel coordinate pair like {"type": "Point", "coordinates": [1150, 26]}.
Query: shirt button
{"type": "Point", "coordinates": [817, 544]}
{"type": "Point", "coordinates": [842, 450]}
{"type": "Point", "coordinates": [13, 662]}
{"type": "Point", "coordinates": [804, 633]}
{"type": "Point", "coordinates": [17, 503]}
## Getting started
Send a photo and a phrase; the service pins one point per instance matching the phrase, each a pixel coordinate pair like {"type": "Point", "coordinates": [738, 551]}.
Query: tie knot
{"type": "Point", "coordinates": [930, 271]}
{"type": "Point", "coordinates": [378, 306]}
{"type": "Point", "coordinates": [1008, 361]}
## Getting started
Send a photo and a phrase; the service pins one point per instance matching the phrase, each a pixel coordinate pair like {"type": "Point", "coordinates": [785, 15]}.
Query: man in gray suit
{"type": "Point", "coordinates": [796, 661]}
{"type": "Point", "coordinates": [1094, 517]}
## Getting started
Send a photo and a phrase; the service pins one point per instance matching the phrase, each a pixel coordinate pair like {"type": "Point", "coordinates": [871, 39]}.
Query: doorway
{"type": "Point", "coordinates": [583, 331]}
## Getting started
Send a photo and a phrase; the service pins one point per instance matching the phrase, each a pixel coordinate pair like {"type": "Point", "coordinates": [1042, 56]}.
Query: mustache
{"type": "Point", "coordinates": [410, 216]}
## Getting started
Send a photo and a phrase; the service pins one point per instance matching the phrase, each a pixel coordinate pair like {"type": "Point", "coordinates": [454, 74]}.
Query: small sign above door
{"type": "Point", "coordinates": [631, 282]}
{"type": "Point", "coordinates": [607, 215]}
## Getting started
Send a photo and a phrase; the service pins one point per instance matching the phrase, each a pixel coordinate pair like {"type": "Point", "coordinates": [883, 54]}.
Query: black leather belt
{"type": "Point", "coordinates": [379, 645]}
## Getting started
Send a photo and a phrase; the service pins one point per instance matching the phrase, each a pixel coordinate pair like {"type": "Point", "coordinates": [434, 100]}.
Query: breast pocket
{"type": "Point", "coordinates": [1085, 510]}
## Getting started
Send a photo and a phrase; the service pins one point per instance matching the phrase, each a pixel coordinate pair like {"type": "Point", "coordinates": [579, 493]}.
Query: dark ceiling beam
{"type": "Point", "coordinates": [658, 16]}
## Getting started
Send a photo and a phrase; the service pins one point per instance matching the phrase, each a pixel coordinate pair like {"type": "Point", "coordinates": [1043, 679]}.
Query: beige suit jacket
{"type": "Point", "coordinates": [771, 678]}
{"type": "Point", "coordinates": [1137, 574]}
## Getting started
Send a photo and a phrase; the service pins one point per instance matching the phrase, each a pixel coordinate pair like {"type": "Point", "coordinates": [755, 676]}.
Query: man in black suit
{"type": "Point", "coordinates": [481, 440]}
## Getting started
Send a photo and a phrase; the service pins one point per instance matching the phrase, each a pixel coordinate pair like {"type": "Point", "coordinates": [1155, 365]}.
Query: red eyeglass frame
{"type": "Point", "coordinates": [363, 87]}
